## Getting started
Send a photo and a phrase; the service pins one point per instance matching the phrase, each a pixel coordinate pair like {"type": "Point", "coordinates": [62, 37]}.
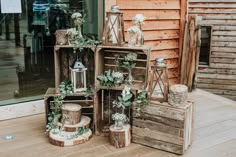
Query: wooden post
{"type": "Point", "coordinates": [120, 138]}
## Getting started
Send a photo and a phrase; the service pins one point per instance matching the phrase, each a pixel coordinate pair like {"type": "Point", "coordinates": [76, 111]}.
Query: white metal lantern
{"type": "Point", "coordinates": [78, 76]}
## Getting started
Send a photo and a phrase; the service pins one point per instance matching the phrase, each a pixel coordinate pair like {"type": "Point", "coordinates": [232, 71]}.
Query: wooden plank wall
{"type": "Point", "coordinates": [163, 28]}
{"type": "Point", "coordinates": [220, 76]}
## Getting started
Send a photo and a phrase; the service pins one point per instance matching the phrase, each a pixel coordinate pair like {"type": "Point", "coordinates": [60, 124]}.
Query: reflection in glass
{"type": "Point", "coordinates": [27, 44]}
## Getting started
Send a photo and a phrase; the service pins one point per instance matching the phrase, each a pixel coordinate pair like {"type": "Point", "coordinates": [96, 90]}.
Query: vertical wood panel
{"type": "Point", "coordinates": [163, 26]}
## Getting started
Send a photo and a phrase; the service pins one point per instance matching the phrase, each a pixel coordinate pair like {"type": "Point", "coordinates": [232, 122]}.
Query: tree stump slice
{"type": "Point", "coordinates": [62, 141]}
{"type": "Point", "coordinates": [177, 95]}
{"type": "Point", "coordinates": [120, 138]}
{"type": "Point", "coordinates": [85, 122]}
{"type": "Point", "coordinates": [71, 112]}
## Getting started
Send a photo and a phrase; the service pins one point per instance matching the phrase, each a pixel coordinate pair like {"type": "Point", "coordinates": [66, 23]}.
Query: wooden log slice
{"type": "Point", "coordinates": [62, 141]}
{"type": "Point", "coordinates": [71, 112]}
{"type": "Point", "coordinates": [85, 122]}
{"type": "Point", "coordinates": [120, 138]}
{"type": "Point", "coordinates": [177, 94]}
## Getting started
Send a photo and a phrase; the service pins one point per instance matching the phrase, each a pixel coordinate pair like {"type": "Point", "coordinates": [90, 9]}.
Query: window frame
{"type": "Point", "coordinates": [199, 45]}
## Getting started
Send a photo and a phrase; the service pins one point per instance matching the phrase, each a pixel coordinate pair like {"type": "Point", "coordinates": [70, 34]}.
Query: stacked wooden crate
{"type": "Point", "coordinates": [105, 60]}
{"type": "Point", "coordinates": [165, 127]}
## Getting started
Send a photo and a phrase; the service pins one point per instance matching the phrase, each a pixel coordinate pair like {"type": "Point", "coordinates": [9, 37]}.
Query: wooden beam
{"type": "Point", "coordinates": [215, 1]}
{"type": "Point", "coordinates": [216, 81]}
{"type": "Point", "coordinates": [163, 44]}
{"type": "Point", "coordinates": [225, 33]}
{"type": "Point", "coordinates": [219, 17]}
{"type": "Point", "coordinates": [158, 35]}
{"type": "Point", "coordinates": [223, 44]}
{"type": "Point", "coordinates": [223, 38]}
{"type": "Point", "coordinates": [152, 14]}
{"type": "Point", "coordinates": [166, 54]}
{"type": "Point", "coordinates": [150, 4]}
{"type": "Point", "coordinates": [224, 28]}
{"type": "Point", "coordinates": [212, 5]}
{"type": "Point", "coordinates": [218, 22]}
{"type": "Point", "coordinates": [156, 25]}
{"type": "Point", "coordinates": [211, 11]}
{"type": "Point", "coordinates": [223, 49]}
{"type": "Point", "coordinates": [183, 17]}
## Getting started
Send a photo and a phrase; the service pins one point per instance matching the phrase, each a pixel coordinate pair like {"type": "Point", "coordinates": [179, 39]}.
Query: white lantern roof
{"type": "Point", "coordinates": [78, 66]}
{"type": "Point", "coordinates": [115, 9]}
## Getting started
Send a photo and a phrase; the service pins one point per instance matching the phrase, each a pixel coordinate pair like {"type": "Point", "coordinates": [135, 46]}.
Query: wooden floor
{"type": "Point", "coordinates": [215, 136]}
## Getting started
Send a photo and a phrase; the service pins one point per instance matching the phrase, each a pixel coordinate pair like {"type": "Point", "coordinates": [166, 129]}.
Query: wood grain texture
{"type": "Point", "coordinates": [154, 14]}
{"type": "Point", "coordinates": [150, 4]}
{"type": "Point", "coordinates": [163, 26]}
{"type": "Point", "coordinates": [214, 135]}
{"type": "Point", "coordinates": [120, 138]}
{"type": "Point", "coordinates": [221, 16]}
{"type": "Point", "coordinates": [164, 127]}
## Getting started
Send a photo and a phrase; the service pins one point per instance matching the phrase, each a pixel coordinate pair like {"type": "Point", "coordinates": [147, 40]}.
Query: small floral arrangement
{"type": "Point", "coordinates": [77, 18]}
{"type": "Point", "coordinates": [119, 106]}
{"type": "Point", "coordinates": [130, 57]}
{"type": "Point", "coordinates": [118, 77]}
{"type": "Point", "coordinates": [129, 64]}
{"type": "Point", "coordinates": [119, 117]}
{"type": "Point", "coordinates": [134, 30]}
{"type": "Point", "coordinates": [139, 19]}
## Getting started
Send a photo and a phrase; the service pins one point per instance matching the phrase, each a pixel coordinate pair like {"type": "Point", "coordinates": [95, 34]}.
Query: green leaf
{"type": "Point", "coordinates": [127, 104]}
{"type": "Point", "coordinates": [127, 97]}
{"type": "Point", "coordinates": [110, 78]}
{"type": "Point", "coordinates": [119, 98]}
{"type": "Point", "coordinates": [50, 118]}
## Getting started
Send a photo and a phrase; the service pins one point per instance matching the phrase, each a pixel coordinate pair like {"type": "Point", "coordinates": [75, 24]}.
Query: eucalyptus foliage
{"type": "Point", "coordinates": [55, 114]}
{"type": "Point", "coordinates": [107, 79]}
{"type": "Point", "coordinates": [125, 100]}
{"type": "Point", "coordinates": [66, 87]}
{"type": "Point", "coordinates": [141, 101]}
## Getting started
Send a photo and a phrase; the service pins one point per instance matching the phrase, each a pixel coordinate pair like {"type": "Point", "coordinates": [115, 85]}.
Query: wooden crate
{"type": "Point", "coordinates": [165, 127]}
{"type": "Point", "coordinates": [87, 103]}
{"type": "Point", "coordinates": [103, 99]}
{"type": "Point", "coordinates": [64, 58]}
{"type": "Point", "coordinates": [105, 60]}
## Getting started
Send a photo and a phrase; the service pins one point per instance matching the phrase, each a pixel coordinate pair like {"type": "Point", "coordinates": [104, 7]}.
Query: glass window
{"type": "Point", "coordinates": [27, 41]}
{"type": "Point", "coordinates": [205, 45]}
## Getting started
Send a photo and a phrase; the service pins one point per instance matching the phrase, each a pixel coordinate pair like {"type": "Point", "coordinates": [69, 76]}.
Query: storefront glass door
{"type": "Point", "coordinates": [27, 40]}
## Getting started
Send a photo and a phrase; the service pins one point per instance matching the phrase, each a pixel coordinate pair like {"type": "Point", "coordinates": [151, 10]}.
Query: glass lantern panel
{"type": "Point", "coordinates": [158, 90]}
{"type": "Point", "coordinates": [113, 29]}
{"type": "Point", "coordinates": [79, 79]}
{"type": "Point", "coordinates": [159, 84]}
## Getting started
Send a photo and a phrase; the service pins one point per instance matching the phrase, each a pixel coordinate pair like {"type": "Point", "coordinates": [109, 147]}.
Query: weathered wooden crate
{"type": "Point", "coordinates": [64, 57]}
{"type": "Point", "coordinates": [103, 99]}
{"type": "Point", "coordinates": [105, 60]}
{"type": "Point", "coordinates": [165, 127]}
{"type": "Point", "coordinates": [87, 103]}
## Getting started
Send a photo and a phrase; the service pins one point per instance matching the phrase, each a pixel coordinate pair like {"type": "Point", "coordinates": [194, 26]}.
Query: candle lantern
{"type": "Point", "coordinates": [158, 84]}
{"type": "Point", "coordinates": [78, 76]}
{"type": "Point", "coordinates": [113, 34]}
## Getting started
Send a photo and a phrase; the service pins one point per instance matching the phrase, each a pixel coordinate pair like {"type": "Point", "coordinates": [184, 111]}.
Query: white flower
{"type": "Point", "coordinates": [133, 29]}
{"type": "Point", "coordinates": [119, 117]}
{"type": "Point", "coordinates": [139, 19]}
{"type": "Point", "coordinates": [125, 91]}
{"type": "Point", "coordinates": [76, 15]}
{"type": "Point", "coordinates": [117, 75]}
